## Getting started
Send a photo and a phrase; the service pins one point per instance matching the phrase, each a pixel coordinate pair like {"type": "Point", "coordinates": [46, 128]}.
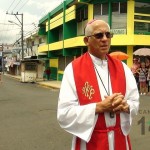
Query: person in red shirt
{"type": "Point", "coordinates": [48, 72]}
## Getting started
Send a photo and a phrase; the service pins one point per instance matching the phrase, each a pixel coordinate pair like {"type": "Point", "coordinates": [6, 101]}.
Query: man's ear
{"type": "Point", "coordinates": [86, 41]}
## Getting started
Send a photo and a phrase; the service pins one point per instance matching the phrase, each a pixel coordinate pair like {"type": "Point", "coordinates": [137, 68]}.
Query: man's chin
{"type": "Point", "coordinates": [104, 51]}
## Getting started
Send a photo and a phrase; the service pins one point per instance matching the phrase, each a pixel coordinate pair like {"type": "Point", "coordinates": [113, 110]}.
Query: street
{"type": "Point", "coordinates": [28, 119]}
{"type": "Point", "coordinates": [140, 132]}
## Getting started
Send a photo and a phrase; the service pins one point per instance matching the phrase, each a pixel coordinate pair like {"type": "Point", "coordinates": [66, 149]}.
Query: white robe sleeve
{"type": "Point", "coordinates": [132, 97]}
{"type": "Point", "coordinates": [75, 119]}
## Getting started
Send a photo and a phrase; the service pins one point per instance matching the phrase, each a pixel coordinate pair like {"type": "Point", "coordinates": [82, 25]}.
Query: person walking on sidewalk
{"type": "Point", "coordinates": [48, 73]}
{"type": "Point", "coordinates": [98, 96]}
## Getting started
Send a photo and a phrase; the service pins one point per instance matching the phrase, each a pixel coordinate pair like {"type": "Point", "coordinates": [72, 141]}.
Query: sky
{"type": "Point", "coordinates": [32, 10]}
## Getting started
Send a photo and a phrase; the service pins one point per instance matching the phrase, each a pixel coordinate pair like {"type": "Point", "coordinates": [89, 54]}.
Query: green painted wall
{"type": "Point", "coordinates": [42, 31]}
{"type": "Point", "coordinates": [53, 73]}
{"type": "Point", "coordinates": [60, 76]}
{"type": "Point", "coordinates": [70, 29]}
{"type": "Point", "coordinates": [53, 35]}
{"type": "Point", "coordinates": [72, 52]}
{"type": "Point", "coordinates": [55, 54]}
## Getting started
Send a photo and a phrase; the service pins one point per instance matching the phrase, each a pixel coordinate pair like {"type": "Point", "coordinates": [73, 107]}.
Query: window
{"type": "Point", "coordinates": [115, 7]}
{"type": "Point", "coordinates": [97, 10]}
{"type": "Point", "coordinates": [141, 27]}
{"type": "Point", "coordinates": [78, 15]}
{"type": "Point", "coordinates": [104, 8]}
{"type": "Point", "coordinates": [101, 11]}
{"type": "Point", "coordinates": [82, 14]}
{"type": "Point", "coordinates": [85, 15]}
{"type": "Point", "coordinates": [80, 27]}
{"type": "Point", "coordinates": [123, 8]}
{"type": "Point", "coordinates": [30, 66]}
{"type": "Point", "coordinates": [119, 7]}
{"type": "Point", "coordinates": [119, 15]}
{"type": "Point", "coordinates": [142, 7]}
{"type": "Point", "coordinates": [63, 61]}
{"type": "Point", "coordinates": [142, 17]}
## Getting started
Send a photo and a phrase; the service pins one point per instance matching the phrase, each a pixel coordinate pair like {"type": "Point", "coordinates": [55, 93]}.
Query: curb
{"type": "Point", "coordinates": [50, 84]}
{"type": "Point", "coordinates": [14, 77]}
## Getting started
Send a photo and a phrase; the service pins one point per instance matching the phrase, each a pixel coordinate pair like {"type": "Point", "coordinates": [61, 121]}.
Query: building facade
{"type": "Point", "coordinates": [63, 29]}
{"type": "Point", "coordinates": [32, 66]}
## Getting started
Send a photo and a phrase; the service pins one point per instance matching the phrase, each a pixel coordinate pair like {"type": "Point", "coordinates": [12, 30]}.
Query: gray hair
{"type": "Point", "coordinates": [89, 29]}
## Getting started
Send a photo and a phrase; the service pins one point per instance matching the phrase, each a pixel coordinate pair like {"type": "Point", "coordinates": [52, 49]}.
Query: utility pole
{"type": "Point", "coordinates": [21, 25]}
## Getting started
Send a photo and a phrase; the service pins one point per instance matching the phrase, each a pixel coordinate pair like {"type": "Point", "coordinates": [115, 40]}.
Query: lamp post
{"type": "Point", "coordinates": [14, 23]}
{"type": "Point", "coordinates": [20, 25]}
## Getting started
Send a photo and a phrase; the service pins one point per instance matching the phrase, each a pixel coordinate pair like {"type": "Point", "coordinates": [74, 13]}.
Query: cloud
{"type": "Point", "coordinates": [43, 7]}
{"type": "Point", "coordinates": [33, 11]}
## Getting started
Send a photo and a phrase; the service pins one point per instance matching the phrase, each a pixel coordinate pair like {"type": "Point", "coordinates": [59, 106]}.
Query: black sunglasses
{"type": "Point", "coordinates": [101, 35]}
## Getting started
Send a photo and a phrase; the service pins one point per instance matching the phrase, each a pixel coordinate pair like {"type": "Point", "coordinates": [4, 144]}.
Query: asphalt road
{"type": "Point", "coordinates": [140, 132]}
{"type": "Point", "coordinates": [28, 119]}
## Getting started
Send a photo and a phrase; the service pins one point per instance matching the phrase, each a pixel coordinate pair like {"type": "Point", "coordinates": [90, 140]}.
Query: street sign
{"type": "Point", "coordinates": [118, 31]}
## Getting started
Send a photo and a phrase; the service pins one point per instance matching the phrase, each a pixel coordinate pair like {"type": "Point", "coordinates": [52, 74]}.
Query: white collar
{"type": "Point", "coordinates": [98, 61]}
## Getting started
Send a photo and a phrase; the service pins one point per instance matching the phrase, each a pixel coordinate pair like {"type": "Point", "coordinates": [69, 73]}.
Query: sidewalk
{"type": "Point", "coordinates": [51, 84]}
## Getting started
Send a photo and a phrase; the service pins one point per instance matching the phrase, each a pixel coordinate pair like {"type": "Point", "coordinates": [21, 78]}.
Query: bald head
{"type": "Point", "coordinates": [90, 26]}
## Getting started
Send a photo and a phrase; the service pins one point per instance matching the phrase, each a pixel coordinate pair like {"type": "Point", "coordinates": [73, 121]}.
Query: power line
{"type": "Point", "coordinates": [44, 12]}
{"type": "Point", "coordinates": [9, 29]}
{"type": "Point", "coordinates": [13, 24]}
{"type": "Point", "coordinates": [20, 4]}
{"type": "Point", "coordinates": [11, 5]}
{"type": "Point", "coordinates": [23, 5]}
{"type": "Point", "coordinates": [4, 34]}
{"type": "Point", "coordinates": [21, 23]}
{"type": "Point", "coordinates": [16, 5]}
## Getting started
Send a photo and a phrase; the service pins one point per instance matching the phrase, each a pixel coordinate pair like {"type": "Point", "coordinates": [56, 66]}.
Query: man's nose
{"type": "Point", "coordinates": [104, 37]}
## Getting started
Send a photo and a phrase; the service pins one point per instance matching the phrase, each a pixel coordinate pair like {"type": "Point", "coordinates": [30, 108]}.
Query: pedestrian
{"type": "Point", "coordinates": [147, 66]}
{"type": "Point", "coordinates": [48, 72]}
{"type": "Point", "coordinates": [148, 79]}
{"type": "Point", "coordinates": [98, 96]}
{"type": "Point", "coordinates": [143, 78]}
{"type": "Point", "coordinates": [147, 63]}
{"type": "Point", "coordinates": [134, 69]}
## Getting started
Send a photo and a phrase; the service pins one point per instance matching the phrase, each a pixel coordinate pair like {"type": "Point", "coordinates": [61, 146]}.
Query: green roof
{"type": "Point", "coordinates": [55, 11]}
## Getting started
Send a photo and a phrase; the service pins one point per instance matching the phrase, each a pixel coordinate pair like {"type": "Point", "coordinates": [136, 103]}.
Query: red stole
{"type": "Point", "coordinates": [88, 92]}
